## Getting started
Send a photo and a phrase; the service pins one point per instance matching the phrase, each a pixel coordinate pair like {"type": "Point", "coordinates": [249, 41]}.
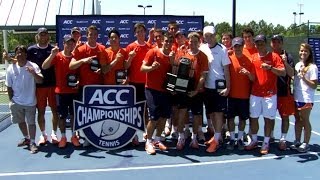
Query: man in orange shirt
{"type": "Point", "coordinates": [194, 99]}
{"type": "Point", "coordinates": [156, 65]}
{"type": "Point", "coordinates": [136, 54]}
{"type": "Point", "coordinates": [90, 59]}
{"type": "Point", "coordinates": [226, 41]}
{"type": "Point", "coordinates": [241, 75]}
{"type": "Point", "coordinates": [249, 47]}
{"type": "Point", "coordinates": [66, 86]}
{"type": "Point", "coordinates": [115, 73]}
{"type": "Point", "coordinates": [263, 100]}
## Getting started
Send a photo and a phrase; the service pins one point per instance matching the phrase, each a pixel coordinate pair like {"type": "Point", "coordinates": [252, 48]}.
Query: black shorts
{"type": "Point", "coordinates": [65, 104]}
{"type": "Point", "coordinates": [238, 107]}
{"type": "Point", "coordinates": [158, 104]}
{"type": "Point", "coordinates": [194, 103]}
{"type": "Point", "coordinates": [214, 102]}
{"type": "Point", "coordinates": [140, 95]}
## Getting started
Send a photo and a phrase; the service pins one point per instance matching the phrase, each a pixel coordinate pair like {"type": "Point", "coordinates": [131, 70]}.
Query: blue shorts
{"type": "Point", "coordinates": [158, 104]}
{"type": "Point", "coordinates": [65, 104]}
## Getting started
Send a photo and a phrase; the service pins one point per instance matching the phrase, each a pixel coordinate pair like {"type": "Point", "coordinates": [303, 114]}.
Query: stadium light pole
{"type": "Point", "coordinates": [144, 8]}
{"type": "Point", "coordinates": [234, 5]}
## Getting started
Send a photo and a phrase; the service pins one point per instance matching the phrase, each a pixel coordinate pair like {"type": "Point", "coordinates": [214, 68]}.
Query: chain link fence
{"type": "Point", "coordinates": [4, 109]}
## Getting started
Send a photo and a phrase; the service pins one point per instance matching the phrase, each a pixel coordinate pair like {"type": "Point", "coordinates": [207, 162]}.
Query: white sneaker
{"type": "Point", "coordinates": [304, 147]}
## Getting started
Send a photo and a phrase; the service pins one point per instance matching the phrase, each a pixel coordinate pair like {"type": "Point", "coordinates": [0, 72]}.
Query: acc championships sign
{"type": "Point", "coordinates": [109, 116]}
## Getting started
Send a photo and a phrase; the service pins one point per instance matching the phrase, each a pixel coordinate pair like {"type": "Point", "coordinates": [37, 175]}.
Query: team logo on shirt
{"type": "Point", "coordinates": [109, 116]}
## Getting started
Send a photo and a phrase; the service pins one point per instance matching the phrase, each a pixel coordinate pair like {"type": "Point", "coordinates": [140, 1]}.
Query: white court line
{"type": "Point", "coordinates": [150, 167]}
{"type": "Point", "coordinates": [292, 123]}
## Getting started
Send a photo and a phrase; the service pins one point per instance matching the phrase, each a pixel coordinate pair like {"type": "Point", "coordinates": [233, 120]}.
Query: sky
{"type": "Point", "coordinates": [216, 11]}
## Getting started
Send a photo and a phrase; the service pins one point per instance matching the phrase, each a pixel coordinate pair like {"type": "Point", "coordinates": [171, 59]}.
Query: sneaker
{"type": "Point", "coordinates": [162, 138]}
{"type": "Point", "coordinates": [227, 134]}
{"type": "Point", "coordinates": [282, 145]}
{"type": "Point", "coordinates": [33, 148]}
{"type": "Point", "coordinates": [167, 131]}
{"type": "Point", "coordinates": [135, 141]}
{"type": "Point", "coordinates": [304, 147]}
{"type": "Point", "coordinates": [75, 141]}
{"type": "Point", "coordinates": [201, 136]}
{"type": "Point", "coordinates": [24, 142]}
{"type": "Point", "coordinates": [43, 140]}
{"type": "Point", "coordinates": [54, 139]}
{"type": "Point", "coordinates": [264, 149]}
{"type": "Point", "coordinates": [207, 143]}
{"type": "Point", "coordinates": [213, 147]}
{"type": "Point", "coordinates": [150, 149]}
{"type": "Point", "coordinates": [180, 144]}
{"type": "Point", "coordinates": [230, 145]}
{"type": "Point", "coordinates": [240, 145]}
{"type": "Point", "coordinates": [63, 142]}
{"type": "Point", "coordinates": [86, 143]}
{"type": "Point", "coordinates": [210, 131]}
{"type": "Point", "coordinates": [174, 135]}
{"type": "Point", "coordinates": [251, 146]}
{"type": "Point", "coordinates": [295, 145]}
{"type": "Point", "coordinates": [187, 133]}
{"type": "Point", "coordinates": [194, 144]}
{"type": "Point", "coordinates": [144, 137]}
{"type": "Point", "coordinates": [160, 146]}
{"type": "Point", "coordinates": [272, 140]}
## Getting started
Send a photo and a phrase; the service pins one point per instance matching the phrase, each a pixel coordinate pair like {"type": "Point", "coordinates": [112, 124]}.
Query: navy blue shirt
{"type": "Point", "coordinates": [283, 83]}
{"type": "Point", "coordinates": [39, 55]}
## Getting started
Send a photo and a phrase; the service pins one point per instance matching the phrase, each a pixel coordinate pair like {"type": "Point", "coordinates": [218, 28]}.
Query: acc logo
{"type": "Point", "coordinates": [109, 116]}
{"type": "Point", "coordinates": [67, 21]}
{"type": "Point", "coordinates": [109, 28]}
{"type": "Point", "coordinates": [151, 21]}
{"type": "Point", "coordinates": [193, 29]}
{"type": "Point", "coordinates": [164, 28]}
{"type": "Point", "coordinates": [180, 21]}
{"type": "Point", "coordinates": [126, 21]}
{"type": "Point", "coordinates": [96, 21]}
{"type": "Point", "coordinates": [83, 28]}
{"type": "Point", "coordinates": [124, 36]}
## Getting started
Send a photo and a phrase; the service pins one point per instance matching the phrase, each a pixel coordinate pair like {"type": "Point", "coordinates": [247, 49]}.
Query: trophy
{"type": "Point", "coordinates": [71, 80]}
{"type": "Point", "coordinates": [220, 85]}
{"type": "Point", "coordinates": [181, 79]}
{"type": "Point", "coordinates": [94, 66]}
{"type": "Point", "coordinates": [120, 76]}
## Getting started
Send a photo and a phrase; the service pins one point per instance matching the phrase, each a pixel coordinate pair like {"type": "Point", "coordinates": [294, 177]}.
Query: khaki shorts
{"type": "Point", "coordinates": [20, 113]}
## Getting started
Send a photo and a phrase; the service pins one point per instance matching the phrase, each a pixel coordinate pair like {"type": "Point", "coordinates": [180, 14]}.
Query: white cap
{"type": "Point", "coordinates": [209, 29]}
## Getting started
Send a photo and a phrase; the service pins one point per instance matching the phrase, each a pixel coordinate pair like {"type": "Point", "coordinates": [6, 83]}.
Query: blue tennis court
{"type": "Point", "coordinates": [90, 163]}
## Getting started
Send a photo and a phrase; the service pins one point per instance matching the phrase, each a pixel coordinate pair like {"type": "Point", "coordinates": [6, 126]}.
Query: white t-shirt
{"type": "Point", "coordinates": [217, 58]}
{"type": "Point", "coordinates": [303, 92]}
{"type": "Point", "coordinates": [22, 83]}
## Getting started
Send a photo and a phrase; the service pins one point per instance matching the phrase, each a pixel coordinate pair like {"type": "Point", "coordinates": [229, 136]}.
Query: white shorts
{"type": "Point", "coordinates": [265, 106]}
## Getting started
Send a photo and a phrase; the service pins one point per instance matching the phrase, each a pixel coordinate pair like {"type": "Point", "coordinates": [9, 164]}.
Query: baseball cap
{"type": "Point", "coordinates": [209, 29]}
{"type": "Point", "coordinates": [75, 29]}
{"type": "Point", "coordinates": [67, 38]}
{"type": "Point", "coordinates": [237, 41]}
{"type": "Point", "coordinates": [42, 30]}
{"type": "Point", "coordinates": [277, 37]}
{"type": "Point", "coordinates": [260, 37]}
